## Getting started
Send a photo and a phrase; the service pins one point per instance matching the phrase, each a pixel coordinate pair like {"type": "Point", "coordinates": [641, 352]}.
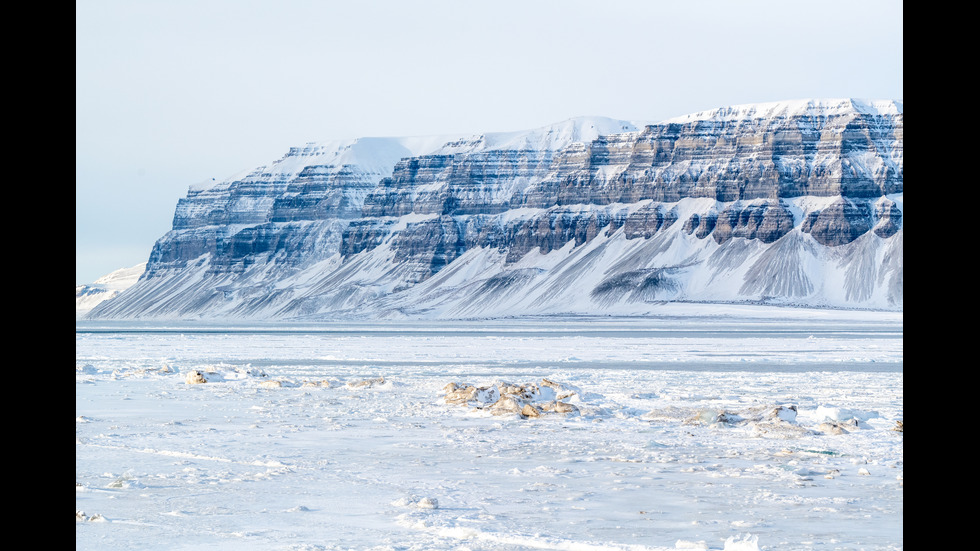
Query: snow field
{"type": "Point", "coordinates": [343, 439]}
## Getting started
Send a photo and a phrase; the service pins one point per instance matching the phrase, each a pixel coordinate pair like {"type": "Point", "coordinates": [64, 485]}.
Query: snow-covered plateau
{"type": "Point", "coordinates": [794, 203]}
{"type": "Point", "coordinates": [725, 428]}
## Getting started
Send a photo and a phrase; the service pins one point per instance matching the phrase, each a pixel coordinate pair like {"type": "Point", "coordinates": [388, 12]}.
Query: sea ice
{"type": "Point", "coordinates": [372, 440]}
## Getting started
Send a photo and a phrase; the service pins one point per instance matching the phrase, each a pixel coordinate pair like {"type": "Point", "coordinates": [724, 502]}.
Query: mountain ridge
{"type": "Point", "coordinates": [802, 202]}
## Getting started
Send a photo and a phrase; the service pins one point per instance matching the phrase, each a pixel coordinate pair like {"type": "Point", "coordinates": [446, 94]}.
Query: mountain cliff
{"type": "Point", "coordinates": [795, 203]}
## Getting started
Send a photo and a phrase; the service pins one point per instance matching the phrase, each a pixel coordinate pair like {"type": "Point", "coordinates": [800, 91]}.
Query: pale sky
{"type": "Point", "coordinates": [169, 93]}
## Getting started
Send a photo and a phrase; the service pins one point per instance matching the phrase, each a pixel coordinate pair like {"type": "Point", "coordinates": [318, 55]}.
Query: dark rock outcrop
{"type": "Point", "coordinates": [766, 221]}
{"type": "Point", "coordinates": [889, 219]}
{"type": "Point", "coordinates": [839, 223]}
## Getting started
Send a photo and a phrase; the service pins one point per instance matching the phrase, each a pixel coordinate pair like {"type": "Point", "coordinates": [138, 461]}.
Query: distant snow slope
{"type": "Point", "coordinates": [822, 107]}
{"type": "Point", "coordinates": [552, 137]}
{"type": "Point", "coordinates": [106, 287]}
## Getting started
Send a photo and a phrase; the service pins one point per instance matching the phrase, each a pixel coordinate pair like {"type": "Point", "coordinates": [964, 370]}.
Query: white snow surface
{"type": "Point", "coordinates": [711, 427]}
{"type": "Point", "coordinates": [821, 107]}
{"type": "Point", "coordinates": [122, 278]}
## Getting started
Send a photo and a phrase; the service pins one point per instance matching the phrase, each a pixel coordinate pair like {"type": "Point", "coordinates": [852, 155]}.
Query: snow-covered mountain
{"type": "Point", "coordinates": [90, 295]}
{"type": "Point", "coordinates": [796, 202]}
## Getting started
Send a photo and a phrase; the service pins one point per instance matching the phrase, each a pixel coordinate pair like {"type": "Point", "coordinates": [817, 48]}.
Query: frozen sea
{"type": "Point", "coordinates": [728, 432]}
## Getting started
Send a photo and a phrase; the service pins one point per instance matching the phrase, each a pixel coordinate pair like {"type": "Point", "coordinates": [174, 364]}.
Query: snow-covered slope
{"type": "Point", "coordinates": [547, 138]}
{"type": "Point", "coordinates": [801, 108]}
{"type": "Point", "coordinates": [796, 202]}
{"type": "Point", "coordinates": [106, 287]}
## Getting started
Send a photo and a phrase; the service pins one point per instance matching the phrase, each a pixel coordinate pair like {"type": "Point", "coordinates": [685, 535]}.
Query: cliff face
{"type": "Point", "coordinates": [784, 203]}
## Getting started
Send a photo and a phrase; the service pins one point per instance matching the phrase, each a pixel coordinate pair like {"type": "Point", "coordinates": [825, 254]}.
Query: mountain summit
{"type": "Point", "coordinates": [783, 203]}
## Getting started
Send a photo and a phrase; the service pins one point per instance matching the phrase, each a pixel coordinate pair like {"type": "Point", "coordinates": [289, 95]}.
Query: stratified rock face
{"type": "Point", "coordinates": [460, 184]}
{"type": "Point", "coordinates": [766, 222]}
{"type": "Point", "coordinates": [730, 157]}
{"type": "Point", "coordinates": [840, 223]}
{"type": "Point", "coordinates": [889, 217]}
{"type": "Point", "coordinates": [589, 215]}
{"type": "Point", "coordinates": [646, 221]}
